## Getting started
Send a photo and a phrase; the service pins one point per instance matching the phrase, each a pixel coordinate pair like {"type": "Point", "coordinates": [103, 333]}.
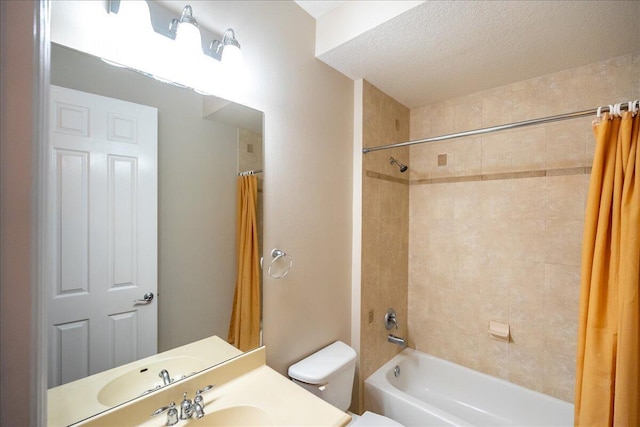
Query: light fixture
{"type": "Point", "coordinates": [227, 51]}
{"type": "Point", "coordinates": [177, 55]}
{"type": "Point", "coordinates": [186, 33]}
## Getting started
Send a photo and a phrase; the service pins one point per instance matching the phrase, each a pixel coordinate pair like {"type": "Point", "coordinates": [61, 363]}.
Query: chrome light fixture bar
{"type": "Point", "coordinates": [215, 69]}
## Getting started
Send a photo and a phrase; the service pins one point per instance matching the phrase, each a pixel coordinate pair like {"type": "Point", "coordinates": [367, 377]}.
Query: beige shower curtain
{"type": "Point", "coordinates": [607, 377]}
{"type": "Point", "coordinates": [244, 330]}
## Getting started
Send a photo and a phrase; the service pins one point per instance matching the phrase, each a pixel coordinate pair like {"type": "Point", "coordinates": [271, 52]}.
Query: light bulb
{"type": "Point", "coordinates": [188, 39]}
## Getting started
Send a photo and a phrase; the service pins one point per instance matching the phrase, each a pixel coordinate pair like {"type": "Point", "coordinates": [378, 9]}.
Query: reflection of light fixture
{"type": "Point", "coordinates": [126, 46]}
{"type": "Point", "coordinates": [186, 33]}
{"type": "Point", "coordinates": [176, 56]}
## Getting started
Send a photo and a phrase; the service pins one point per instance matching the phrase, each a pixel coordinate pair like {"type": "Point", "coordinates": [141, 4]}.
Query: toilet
{"type": "Point", "coordinates": [328, 373]}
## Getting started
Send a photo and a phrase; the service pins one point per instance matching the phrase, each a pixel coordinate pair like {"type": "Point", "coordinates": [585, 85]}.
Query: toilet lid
{"type": "Point", "coordinates": [317, 368]}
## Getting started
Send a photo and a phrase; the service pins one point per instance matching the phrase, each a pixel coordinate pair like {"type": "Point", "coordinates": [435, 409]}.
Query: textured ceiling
{"type": "Point", "coordinates": [443, 49]}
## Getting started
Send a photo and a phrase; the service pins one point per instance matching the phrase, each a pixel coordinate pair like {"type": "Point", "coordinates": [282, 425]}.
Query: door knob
{"type": "Point", "coordinates": [146, 299]}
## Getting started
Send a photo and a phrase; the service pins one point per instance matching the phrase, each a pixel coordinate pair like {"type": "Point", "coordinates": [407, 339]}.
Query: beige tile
{"type": "Point", "coordinates": [528, 199]}
{"type": "Point", "coordinates": [432, 201]}
{"type": "Point", "coordinates": [497, 106]}
{"type": "Point", "coordinates": [420, 124]}
{"type": "Point", "coordinates": [559, 368]}
{"type": "Point", "coordinates": [530, 99]}
{"type": "Point", "coordinates": [526, 367]}
{"type": "Point", "coordinates": [468, 156]}
{"type": "Point", "coordinates": [527, 240]}
{"type": "Point", "coordinates": [496, 199]}
{"type": "Point", "coordinates": [493, 357]}
{"type": "Point", "coordinates": [496, 152]}
{"type": "Point", "coordinates": [635, 90]}
{"type": "Point", "coordinates": [567, 143]}
{"type": "Point", "coordinates": [394, 200]}
{"type": "Point", "coordinates": [529, 148]}
{"type": "Point", "coordinates": [609, 81]}
{"type": "Point", "coordinates": [468, 200]}
{"type": "Point", "coordinates": [566, 197]}
{"type": "Point", "coordinates": [564, 241]}
{"type": "Point", "coordinates": [371, 197]}
{"type": "Point", "coordinates": [468, 113]}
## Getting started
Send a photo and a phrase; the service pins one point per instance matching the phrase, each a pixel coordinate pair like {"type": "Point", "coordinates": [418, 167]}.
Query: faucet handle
{"type": "Point", "coordinates": [390, 319]}
{"type": "Point", "coordinates": [198, 399]}
{"type": "Point", "coordinates": [186, 408]}
{"type": "Point", "coordinates": [172, 413]}
{"type": "Point", "coordinates": [206, 388]}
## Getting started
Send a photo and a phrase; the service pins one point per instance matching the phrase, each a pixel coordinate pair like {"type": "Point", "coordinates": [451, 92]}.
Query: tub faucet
{"type": "Point", "coordinates": [396, 340]}
{"type": "Point", "coordinates": [166, 379]}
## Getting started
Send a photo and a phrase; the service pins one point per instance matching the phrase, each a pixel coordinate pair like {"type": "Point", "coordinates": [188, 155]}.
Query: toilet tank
{"type": "Point", "coordinates": [328, 373]}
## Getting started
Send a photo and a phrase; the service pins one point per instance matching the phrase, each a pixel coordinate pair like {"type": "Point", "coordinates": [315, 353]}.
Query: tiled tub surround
{"type": "Point", "coordinates": [385, 233]}
{"type": "Point", "coordinates": [496, 232]}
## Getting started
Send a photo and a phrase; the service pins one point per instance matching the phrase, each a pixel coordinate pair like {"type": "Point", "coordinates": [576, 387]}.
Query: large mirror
{"type": "Point", "coordinates": [203, 144]}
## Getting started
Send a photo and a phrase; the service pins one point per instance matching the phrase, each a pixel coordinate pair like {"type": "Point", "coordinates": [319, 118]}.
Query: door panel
{"type": "Point", "coordinates": [102, 233]}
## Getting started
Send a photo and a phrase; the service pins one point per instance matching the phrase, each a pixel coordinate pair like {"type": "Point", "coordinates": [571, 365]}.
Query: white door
{"type": "Point", "coordinates": [101, 233]}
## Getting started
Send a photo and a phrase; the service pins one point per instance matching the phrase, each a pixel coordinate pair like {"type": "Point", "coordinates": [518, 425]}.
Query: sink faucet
{"type": "Point", "coordinates": [166, 379]}
{"type": "Point", "coordinates": [188, 408]}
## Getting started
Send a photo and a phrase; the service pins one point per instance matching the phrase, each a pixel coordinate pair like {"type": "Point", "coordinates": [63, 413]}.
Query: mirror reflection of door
{"type": "Point", "coordinates": [102, 192]}
{"type": "Point", "coordinates": [203, 143]}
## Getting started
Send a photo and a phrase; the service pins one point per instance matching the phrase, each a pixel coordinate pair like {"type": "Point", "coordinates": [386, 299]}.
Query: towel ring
{"type": "Point", "coordinates": [278, 254]}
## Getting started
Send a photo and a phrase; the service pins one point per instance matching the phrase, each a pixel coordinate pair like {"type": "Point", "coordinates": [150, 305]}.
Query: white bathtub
{"type": "Point", "coordinates": [434, 392]}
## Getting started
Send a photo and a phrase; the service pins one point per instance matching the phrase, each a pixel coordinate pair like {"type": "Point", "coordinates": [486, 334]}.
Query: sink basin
{"type": "Point", "coordinates": [137, 381]}
{"type": "Point", "coordinates": [235, 416]}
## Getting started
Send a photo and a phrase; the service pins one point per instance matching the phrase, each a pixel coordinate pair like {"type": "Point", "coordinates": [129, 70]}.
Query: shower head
{"type": "Point", "coordinates": [403, 168]}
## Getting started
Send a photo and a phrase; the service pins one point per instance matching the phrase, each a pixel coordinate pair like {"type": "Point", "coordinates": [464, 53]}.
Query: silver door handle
{"type": "Point", "coordinates": [146, 299]}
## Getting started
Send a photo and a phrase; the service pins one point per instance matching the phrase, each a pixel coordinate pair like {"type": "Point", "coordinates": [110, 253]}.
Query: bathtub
{"type": "Point", "coordinates": [433, 392]}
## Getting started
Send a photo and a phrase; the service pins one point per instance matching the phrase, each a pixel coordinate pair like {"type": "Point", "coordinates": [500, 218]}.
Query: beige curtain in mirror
{"type": "Point", "coordinates": [244, 330]}
{"type": "Point", "coordinates": [607, 377]}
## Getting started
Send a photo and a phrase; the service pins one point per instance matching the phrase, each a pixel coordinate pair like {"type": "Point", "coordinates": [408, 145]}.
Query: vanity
{"type": "Point", "coordinates": [246, 392]}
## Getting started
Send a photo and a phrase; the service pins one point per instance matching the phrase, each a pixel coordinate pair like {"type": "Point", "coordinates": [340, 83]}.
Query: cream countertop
{"type": "Point", "coordinates": [243, 381]}
{"type": "Point", "coordinates": [77, 400]}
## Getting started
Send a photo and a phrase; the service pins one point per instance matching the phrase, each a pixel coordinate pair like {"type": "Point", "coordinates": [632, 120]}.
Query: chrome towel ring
{"type": "Point", "coordinates": [277, 255]}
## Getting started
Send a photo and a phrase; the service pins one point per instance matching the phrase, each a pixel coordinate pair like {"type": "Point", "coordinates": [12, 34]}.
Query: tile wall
{"type": "Point", "coordinates": [385, 233]}
{"type": "Point", "coordinates": [495, 224]}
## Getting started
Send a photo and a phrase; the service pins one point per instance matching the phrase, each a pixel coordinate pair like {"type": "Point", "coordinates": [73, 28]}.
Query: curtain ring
{"type": "Point", "coordinates": [598, 118]}
{"type": "Point", "coordinates": [634, 106]}
{"type": "Point", "coordinates": [612, 111]}
{"type": "Point", "coordinates": [599, 113]}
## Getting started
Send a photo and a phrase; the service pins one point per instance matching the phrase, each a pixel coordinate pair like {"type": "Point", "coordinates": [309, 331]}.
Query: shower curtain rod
{"type": "Point", "coordinates": [515, 125]}
{"type": "Point", "coordinates": [250, 172]}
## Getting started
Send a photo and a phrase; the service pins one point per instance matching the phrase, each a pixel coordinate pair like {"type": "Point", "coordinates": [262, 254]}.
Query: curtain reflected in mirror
{"type": "Point", "coordinates": [244, 328]}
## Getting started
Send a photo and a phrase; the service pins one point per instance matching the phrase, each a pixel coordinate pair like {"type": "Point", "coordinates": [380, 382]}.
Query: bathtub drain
{"type": "Point", "coordinates": [396, 371]}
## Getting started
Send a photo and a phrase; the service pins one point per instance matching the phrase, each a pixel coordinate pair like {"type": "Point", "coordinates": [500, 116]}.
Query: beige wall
{"type": "Point", "coordinates": [19, 382]}
{"type": "Point", "coordinates": [496, 233]}
{"type": "Point", "coordinates": [308, 169]}
{"type": "Point", "coordinates": [385, 228]}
